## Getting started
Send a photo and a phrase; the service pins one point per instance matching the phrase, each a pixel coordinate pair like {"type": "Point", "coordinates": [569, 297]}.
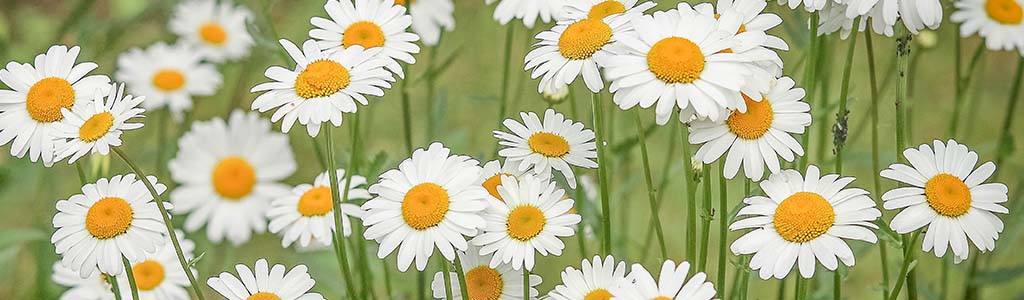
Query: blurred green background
{"type": "Point", "coordinates": [465, 111]}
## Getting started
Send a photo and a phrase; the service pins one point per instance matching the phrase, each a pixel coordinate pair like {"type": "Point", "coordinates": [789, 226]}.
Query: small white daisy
{"type": "Point", "coordinates": [93, 287]}
{"type": "Point", "coordinates": [484, 281]}
{"type": "Point", "coordinates": [947, 194]}
{"type": "Point", "coordinates": [322, 87]}
{"type": "Point", "coordinates": [804, 220]}
{"type": "Point", "coordinates": [671, 284]}
{"type": "Point", "coordinates": [228, 172]}
{"type": "Point", "coordinates": [160, 276]}
{"type": "Point", "coordinates": [555, 142]}
{"type": "Point", "coordinates": [307, 213]}
{"type": "Point", "coordinates": [596, 280]}
{"type": "Point", "coordinates": [575, 10]}
{"type": "Point", "coordinates": [527, 10]}
{"type": "Point", "coordinates": [1000, 22]}
{"type": "Point", "coordinates": [430, 201]}
{"type": "Point", "coordinates": [430, 17]}
{"type": "Point", "coordinates": [217, 30]}
{"type": "Point", "coordinates": [373, 24]}
{"type": "Point", "coordinates": [110, 219]}
{"type": "Point", "coordinates": [31, 109]}
{"type": "Point", "coordinates": [96, 126]}
{"type": "Point", "coordinates": [265, 283]}
{"type": "Point", "coordinates": [531, 217]}
{"type": "Point", "coordinates": [167, 75]}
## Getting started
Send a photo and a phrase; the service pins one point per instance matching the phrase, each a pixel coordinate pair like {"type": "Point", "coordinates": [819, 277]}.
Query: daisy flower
{"type": "Point", "coordinates": [31, 110]}
{"type": "Point", "coordinates": [758, 137]}
{"type": "Point", "coordinates": [596, 280]}
{"type": "Point", "coordinates": [430, 17]}
{"type": "Point", "coordinates": [998, 21]}
{"type": "Point", "coordinates": [218, 31]}
{"type": "Point", "coordinates": [490, 176]}
{"type": "Point", "coordinates": [671, 284]}
{"type": "Point", "coordinates": [228, 172]}
{"type": "Point", "coordinates": [110, 219]}
{"type": "Point", "coordinates": [947, 194]}
{"type": "Point", "coordinates": [95, 126]}
{"type": "Point", "coordinates": [531, 216]}
{"type": "Point", "coordinates": [430, 201]}
{"type": "Point", "coordinates": [264, 282]}
{"type": "Point", "coordinates": [168, 76]}
{"type": "Point", "coordinates": [160, 276]}
{"type": "Point", "coordinates": [916, 16]}
{"type": "Point", "coordinates": [556, 142]}
{"type": "Point", "coordinates": [307, 213]}
{"type": "Point", "coordinates": [679, 62]}
{"type": "Point", "coordinates": [484, 281]}
{"type": "Point", "coordinates": [804, 220]}
{"type": "Point", "coordinates": [372, 24]}
{"type": "Point", "coordinates": [575, 10]}
{"type": "Point", "coordinates": [93, 287]}
{"type": "Point", "coordinates": [322, 87]}
{"type": "Point", "coordinates": [527, 10]}
{"type": "Point", "coordinates": [752, 35]}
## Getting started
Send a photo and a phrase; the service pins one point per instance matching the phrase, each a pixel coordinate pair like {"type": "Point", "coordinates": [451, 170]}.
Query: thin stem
{"type": "Point", "coordinates": [723, 232]}
{"type": "Point", "coordinates": [507, 63]}
{"type": "Point", "coordinates": [706, 217]}
{"type": "Point", "coordinates": [691, 199]}
{"type": "Point", "coordinates": [1011, 106]}
{"type": "Point", "coordinates": [462, 277]}
{"type": "Point", "coordinates": [167, 220]}
{"type": "Point", "coordinates": [908, 252]}
{"type": "Point", "coordinates": [421, 285]}
{"type": "Point", "coordinates": [447, 279]}
{"type": "Point", "coordinates": [406, 118]}
{"type": "Point", "coordinates": [526, 283]}
{"type": "Point", "coordinates": [581, 202]}
{"type": "Point", "coordinates": [840, 129]}
{"type": "Point", "coordinates": [81, 173]}
{"type": "Point", "coordinates": [800, 288]}
{"type": "Point", "coordinates": [131, 278]}
{"type": "Point", "coordinates": [809, 80]}
{"type": "Point", "coordinates": [112, 280]}
{"type": "Point", "coordinates": [876, 157]}
{"type": "Point", "coordinates": [837, 284]}
{"type": "Point", "coordinates": [780, 293]}
{"type": "Point", "coordinates": [650, 184]}
{"type": "Point", "coordinates": [602, 174]}
{"type": "Point", "coordinates": [903, 49]}
{"type": "Point", "coordinates": [339, 238]}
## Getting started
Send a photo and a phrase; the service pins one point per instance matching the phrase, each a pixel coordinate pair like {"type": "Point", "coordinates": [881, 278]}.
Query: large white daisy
{"type": "Point", "coordinates": [484, 281]}
{"type": "Point", "coordinates": [947, 194]}
{"type": "Point", "coordinates": [671, 284]}
{"type": "Point", "coordinates": [217, 30]}
{"type": "Point", "coordinates": [430, 201]}
{"type": "Point", "coordinates": [596, 280]}
{"type": "Point", "coordinates": [228, 172]}
{"type": "Point", "coordinates": [307, 213]}
{"type": "Point", "coordinates": [372, 24]}
{"type": "Point", "coordinates": [430, 18]}
{"type": "Point", "coordinates": [93, 287]}
{"type": "Point", "coordinates": [31, 110]}
{"type": "Point", "coordinates": [265, 283]}
{"type": "Point", "coordinates": [555, 142]}
{"type": "Point", "coordinates": [1000, 22]}
{"type": "Point", "coordinates": [168, 76]}
{"type": "Point", "coordinates": [160, 276]}
{"type": "Point", "coordinates": [95, 126]}
{"type": "Point", "coordinates": [527, 10]}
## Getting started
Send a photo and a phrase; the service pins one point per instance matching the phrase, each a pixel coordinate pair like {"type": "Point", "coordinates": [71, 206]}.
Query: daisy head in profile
{"type": "Point", "coordinates": [378, 25]}
{"type": "Point", "coordinates": [430, 201]}
{"type": "Point", "coordinates": [484, 281]}
{"type": "Point", "coordinates": [596, 279]}
{"type": "Point", "coordinates": [227, 174]}
{"type": "Point", "coordinates": [218, 31]}
{"type": "Point", "coordinates": [160, 276]}
{"type": "Point", "coordinates": [112, 218]}
{"type": "Point", "coordinates": [553, 143]}
{"type": "Point", "coordinates": [949, 196]}
{"type": "Point", "coordinates": [430, 18]}
{"type": "Point", "coordinates": [527, 10]}
{"type": "Point", "coordinates": [530, 218]}
{"type": "Point", "coordinates": [672, 283]}
{"type": "Point", "coordinates": [168, 76]}
{"type": "Point", "coordinates": [263, 282]}
{"type": "Point", "coordinates": [322, 86]}
{"type": "Point", "coordinates": [38, 92]}
{"type": "Point", "coordinates": [306, 214]}
{"type": "Point", "coordinates": [95, 126]}
{"type": "Point", "coordinates": [804, 220]}
{"type": "Point", "coordinates": [999, 22]}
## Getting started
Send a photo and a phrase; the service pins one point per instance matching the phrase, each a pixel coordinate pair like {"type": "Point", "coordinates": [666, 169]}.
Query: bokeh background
{"type": "Point", "coordinates": [465, 111]}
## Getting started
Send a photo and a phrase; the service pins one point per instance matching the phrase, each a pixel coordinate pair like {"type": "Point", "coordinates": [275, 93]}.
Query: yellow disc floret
{"type": "Point", "coordinates": [948, 195]}
{"type": "Point", "coordinates": [316, 202]}
{"type": "Point", "coordinates": [148, 274]}
{"type": "Point", "coordinates": [548, 144]}
{"type": "Point", "coordinates": [264, 296]}
{"type": "Point", "coordinates": [492, 183]}
{"type": "Point", "coordinates": [108, 218]}
{"type": "Point", "coordinates": [46, 97]}
{"type": "Point", "coordinates": [598, 294]}
{"type": "Point", "coordinates": [606, 8]}
{"type": "Point", "coordinates": [363, 33]}
{"type": "Point", "coordinates": [168, 80]}
{"type": "Point", "coordinates": [525, 222]}
{"type": "Point", "coordinates": [484, 283]}
{"type": "Point", "coordinates": [96, 127]}
{"type": "Point", "coordinates": [676, 60]}
{"type": "Point", "coordinates": [1007, 12]}
{"type": "Point", "coordinates": [584, 38]}
{"type": "Point", "coordinates": [213, 33]}
{"type": "Point", "coordinates": [425, 205]}
{"type": "Point", "coordinates": [754, 123]}
{"type": "Point", "coordinates": [803, 217]}
{"type": "Point", "coordinates": [321, 78]}
{"type": "Point", "coordinates": [234, 178]}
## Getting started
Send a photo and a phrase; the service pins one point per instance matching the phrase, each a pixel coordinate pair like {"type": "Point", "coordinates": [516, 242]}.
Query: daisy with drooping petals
{"type": "Point", "coordinates": [804, 220]}
{"type": "Point", "coordinates": [217, 30]}
{"type": "Point", "coordinates": [111, 219]}
{"type": "Point", "coordinates": [160, 276]}
{"type": "Point", "coordinates": [322, 87]}
{"type": "Point", "coordinates": [531, 216]}
{"type": "Point", "coordinates": [372, 24]}
{"type": "Point", "coordinates": [307, 213]}
{"type": "Point", "coordinates": [93, 287]}
{"type": "Point", "coordinates": [671, 284]}
{"type": "Point", "coordinates": [31, 110]}
{"type": "Point", "coordinates": [265, 283]}
{"type": "Point", "coordinates": [167, 75]}
{"type": "Point", "coordinates": [430, 201]}
{"type": "Point", "coordinates": [1000, 22]}
{"type": "Point", "coordinates": [575, 10]}
{"type": "Point", "coordinates": [555, 142]}
{"type": "Point", "coordinates": [758, 137]}
{"type": "Point", "coordinates": [947, 194]}
{"type": "Point", "coordinates": [430, 18]}
{"type": "Point", "coordinates": [596, 280]}
{"type": "Point", "coordinates": [527, 10]}
{"type": "Point", "coordinates": [96, 126]}
{"type": "Point", "coordinates": [484, 281]}
{"type": "Point", "coordinates": [228, 172]}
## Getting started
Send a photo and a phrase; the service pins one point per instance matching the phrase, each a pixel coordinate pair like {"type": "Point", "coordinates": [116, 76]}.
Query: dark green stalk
{"type": "Point", "coordinates": [691, 199]}
{"type": "Point", "coordinates": [131, 278]}
{"type": "Point", "coordinates": [809, 82]}
{"type": "Point", "coordinates": [902, 276]}
{"type": "Point", "coordinates": [507, 64]}
{"type": "Point", "coordinates": [840, 128]}
{"type": "Point", "coordinates": [339, 239]}
{"type": "Point", "coordinates": [602, 173]}
{"type": "Point", "coordinates": [903, 48]}
{"type": "Point", "coordinates": [876, 157]}
{"type": "Point", "coordinates": [723, 227]}
{"type": "Point", "coordinates": [462, 277]}
{"type": "Point", "coordinates": [651, 198]}
{"type": "Point", "coordinates": [526, 283]}
{"type": "Point", "coordinates": [447, 279]}
{"type": "Point", "coordinates": [706, 217]}
{"type": "Point", "coordinates": [112, 280]}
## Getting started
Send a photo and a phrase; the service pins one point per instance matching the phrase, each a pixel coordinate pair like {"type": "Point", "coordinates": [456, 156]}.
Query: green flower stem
{"type": "Point", "coordinates": [908, 257]}
{"type": "Point", "coordinates": [602, 174]}
{"type": "Point", "coordinates": [781, 290]}
{"type": "Point", "coordinates": [691, 199]}
{"type": "Point", "coordinates": [507, 63]}
{"type": "Point", "coordinates": [339, 239]}
{"type": "Point", "coordinates": [131, 278]}
{"type": "Point", "coordinates": [801, 288]}
{"type": "Point", "coordinates": [723, 231]}
{"type": "Point", "coordinates": [706, 218]}
{"type": "Point", "coordinates": [963, 82]}
{"type": "Point", "coordinates": [167, 219]}
{"type": "Point", "coordinates": [809, 81]}
{"type": "Point", "coordinates": [840, 128]}
{"type": "Point", "coordinates": [447, 279]}
{"type": "Point", "coordinates": [112, 280]}
{"type": "Point", "coordinates": [650, 185]}
{"type": "Point", "coordinates": [662, 184]}
{"type": "Point", "coordinates": [406, 116]}
{"type": "Point", "coordinates": [353, 168]}
{"type": "Point", "coordinates": [421, 285]}
{"type": "Point", "coordinates": [581, 202]}
{"type": "Point", "coordinates": [526, 283]}
{"type": "Point", "coordinates": [462, 277]}
{"type": "Point", "coordinates": [876, 157]}
{"type": "Point", "coordinates": [81, 173]}
{"type": "Point", "coordinates": [903, 48]}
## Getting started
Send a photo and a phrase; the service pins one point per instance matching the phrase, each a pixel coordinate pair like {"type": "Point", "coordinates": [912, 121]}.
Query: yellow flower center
{"type": "Point", "coordinates": [492, 184]}
{"type": "Point", "coordinates": [676, 60]}
{"type": "Point", "coordinates": [321, 78]}
{"type": "Point", "coordinates": [108, 218]}
{"type": "Point", "coordinates": [213, 33]}
{"type": "Point", "coordinates": [584, 38]}
{"type": "Point", "coordinates": [1007, 12]}
{"type": "Point", "coordinates": [425, 205]}
{"type": "Point", "coordinates": [316, 202]}
{"type": "Point", "coordinates": [803, 217]}
{"type": "Point", "coordinates": [169, 80]}
{"type": "Point", "coordinates": [754, 123]}
{"type": "Point", "coordinates": [363, 33]}
{"type": "Point", "coordinates": [606, 8]}
{"type": "Point", "coordinates": [234, 178]}
{"type": "Point", "coordinates": [948, 195]}
{"type": "Point", "coordinates": [484, 283]}
{"type": "Point", "coordinates": [402, 2]}
{"type": "Point", "coordinates": [263, 296]}
{"type": "Point", "coordinates": [148, 274]}
{"type": "Point", "coordinates": [96, 127]}
{"type": "Point", "coordinates": [525, 222]}
{"type": "Point", "coordinates": [661, 298]}
{"type": "Point", "coordinates": [598, 294]}
{"type": "Point", "coordinates": [548, 144]}
{"type": "Point", "coordinates": [46, 97]}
